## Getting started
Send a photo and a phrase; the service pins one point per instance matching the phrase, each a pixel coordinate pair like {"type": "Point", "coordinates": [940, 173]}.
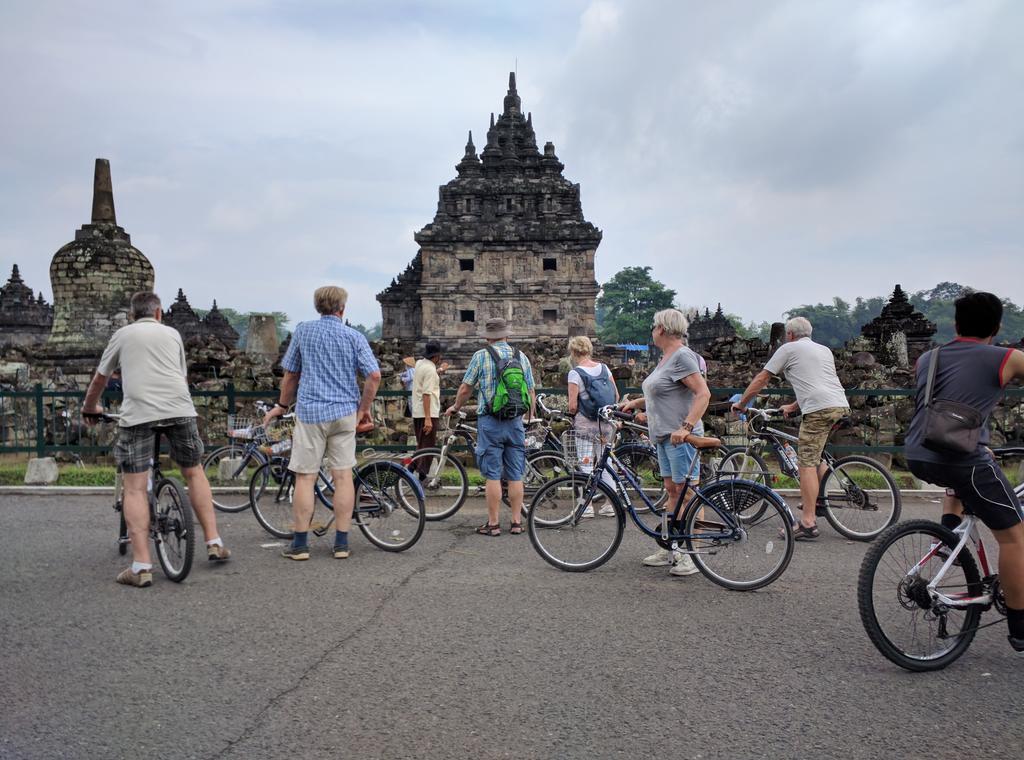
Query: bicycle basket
{"type": "Point", "coordinates": [280, 428]}
{"type": "Point", "coordinates": [581, 450]}
{"type": "Point", "coordinates": [241, 427]}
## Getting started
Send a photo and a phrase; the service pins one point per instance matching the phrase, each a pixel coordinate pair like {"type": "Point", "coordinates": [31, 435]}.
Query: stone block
{"type": "Point", "coordinates": [41, 472]}
{"type": "Point", "coordinates": [226, 468]}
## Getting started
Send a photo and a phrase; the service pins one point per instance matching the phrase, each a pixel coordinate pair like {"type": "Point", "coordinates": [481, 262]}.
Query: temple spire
{"type": "Point", "coordinates": [470, 147]}
{"type": "Point", "coordinates": [103, 194]}
{"type": "Point", "coordinates": [513, 104]}
{"type": "Point", "coordinates": [511, 83]}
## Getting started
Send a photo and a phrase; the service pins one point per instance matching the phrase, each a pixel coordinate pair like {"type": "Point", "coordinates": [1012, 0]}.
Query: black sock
{"type": "Point", "coordinates": [1015, 621]}
{"type": "Point", "coordinates": [951, 521]}
{"type": "Point", "coordinates": [300, 538]}
{"type": "Point", "coordinates": [340, 538]}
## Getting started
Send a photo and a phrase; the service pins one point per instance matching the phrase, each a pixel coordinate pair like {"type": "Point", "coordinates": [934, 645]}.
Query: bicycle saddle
{"type": "Point", "coordinates": [703, 441]}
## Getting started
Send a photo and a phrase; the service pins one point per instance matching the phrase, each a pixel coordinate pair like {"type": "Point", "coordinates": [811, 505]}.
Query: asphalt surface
{"type": "Point", "coordinates": [464, 646]}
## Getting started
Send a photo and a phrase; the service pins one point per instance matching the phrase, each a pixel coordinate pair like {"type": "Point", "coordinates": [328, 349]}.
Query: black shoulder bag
{"type": "Point", "coordinates": [950, 427]}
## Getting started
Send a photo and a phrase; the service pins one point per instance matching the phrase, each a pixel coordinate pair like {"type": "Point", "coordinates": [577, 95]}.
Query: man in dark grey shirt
{"type": "Point", "coordinates": [974, 372]}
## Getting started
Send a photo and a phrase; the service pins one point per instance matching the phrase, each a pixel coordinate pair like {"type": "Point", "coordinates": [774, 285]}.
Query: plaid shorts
{"type": "Point", "coordinates": [133, 451]}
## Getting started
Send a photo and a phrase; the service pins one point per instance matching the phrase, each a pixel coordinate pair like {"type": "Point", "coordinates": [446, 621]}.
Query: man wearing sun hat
{"type": "Point", "coordinates": [501, 443]}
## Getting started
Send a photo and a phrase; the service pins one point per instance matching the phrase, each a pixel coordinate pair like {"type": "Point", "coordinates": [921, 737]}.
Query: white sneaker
{"type": "Point", "coordinates": [607, 511]}
{"type": "Point", "coordinates": [660, 558]}
{"type": "Point", "coordinates": [589, 511]}
{"type": "Point", "coordinates": [684, 566]}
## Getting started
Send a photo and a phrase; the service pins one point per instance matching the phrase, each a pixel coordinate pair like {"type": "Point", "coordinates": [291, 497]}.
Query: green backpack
{"type": "Point", "coordinates": [511, 394]}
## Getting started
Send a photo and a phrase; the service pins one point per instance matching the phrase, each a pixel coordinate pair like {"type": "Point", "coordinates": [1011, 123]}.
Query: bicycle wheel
{"type": "Point", "coordinates": [746, 464]}
{"type": "Point", "coordinates": [173, 528]}
{"type": "Point", "coordinates": [860, 497]}
{"type": "Point", "coordinates": [229, 471]}
{"type": "Point", "coordinates": [898, 613]}
{"type": "Point", "coordinates": [444, 481]}
{"type": "Point", "coordinates": [270, 495]}
{"type": "Point", "coordinates": [560, 533]}
{"type": "Point", "coordinates": [122, 533]}
{"type": "Point", "coordinates": [382, 510]}
{"type": "Point", "coordinates": [642, 461]}
{"type": "Point", "coordinates": [746, 555]}
{"type": "Point", "coordinates": [541, 467]}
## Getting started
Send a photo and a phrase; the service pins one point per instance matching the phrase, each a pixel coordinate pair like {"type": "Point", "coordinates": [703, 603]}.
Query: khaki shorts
{"type": "Point", "coordinates": [814, 431]}
{"type": "Point", "coordinates": [312, 441]}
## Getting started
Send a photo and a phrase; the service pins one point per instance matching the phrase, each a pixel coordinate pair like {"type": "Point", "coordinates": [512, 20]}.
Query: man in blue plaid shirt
{"type": "Point", "coordinates": [500, 444]}
{"type": "Point", "coordinates": [322, 362]}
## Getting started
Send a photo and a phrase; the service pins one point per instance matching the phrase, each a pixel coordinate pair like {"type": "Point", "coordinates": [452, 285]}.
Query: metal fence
{"type": "Point", "coordinates": [47, 422]}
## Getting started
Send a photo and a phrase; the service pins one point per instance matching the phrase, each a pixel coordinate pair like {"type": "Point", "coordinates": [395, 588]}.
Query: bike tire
{"type": "Point", "coordinates": [381, 510]}
{"type": "Point", "coordinates": [562, 536]}
{"type": "Point", "coordinates": [541, 467]}
{"type": "Point", "coordinates": [884, 564]}
{"type": "Point", "coordinates": [122, 534]}
{"type": "Point", "coordinates": [745, 464]}
{"type": "Point", "coordinates": [270, 496]}
{"type": "Point", "coordinates": [438, 505]}
{"type": "Point", "coordinates": [233, 495]}
{"type": "Point", "coordinates": [848, 507]}
{"type": "Point", "coordinates": [755, 546]}
{"type": "Point", "coordinates": [174, 529]}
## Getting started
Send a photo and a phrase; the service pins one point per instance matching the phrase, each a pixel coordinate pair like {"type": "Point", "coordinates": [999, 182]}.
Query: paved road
{"type": "Point", "coordinates": [462, 647]}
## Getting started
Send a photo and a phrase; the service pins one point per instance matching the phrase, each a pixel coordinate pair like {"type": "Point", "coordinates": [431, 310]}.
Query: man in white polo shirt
{"type": "Point", "coordinates": [811, 369]}
{"type": "Point", "coordinates": [154, 375]}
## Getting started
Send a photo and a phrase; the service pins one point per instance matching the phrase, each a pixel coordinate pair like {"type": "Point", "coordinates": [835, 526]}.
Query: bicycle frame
{"type": "Point", "coordinates": [966, 530]}
{"type": "Point", "coordinates": [608, 456]}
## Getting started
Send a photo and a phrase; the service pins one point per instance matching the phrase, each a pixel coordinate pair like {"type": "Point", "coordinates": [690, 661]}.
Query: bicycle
{"type": "Point", "coordinates": [446, 483]}
{"type": "Point", "coordinates": [229, 468]}
{"type": "Point", "coordinates": [171, 524]}
{"type": "Point", "coordinates": [739, 533]}
{"type": "Point", "coordinates": [857, 495]}
{"type": "Point", "coordinates": [920, 594]}
{"type": "Point", "coordinates": [389, 505]}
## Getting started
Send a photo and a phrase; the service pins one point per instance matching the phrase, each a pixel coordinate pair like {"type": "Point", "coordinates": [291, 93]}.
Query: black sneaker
{"type": "Point", "coordinates": [296, 552]}
{"type": "Point", "coordinates": [1017, 644]}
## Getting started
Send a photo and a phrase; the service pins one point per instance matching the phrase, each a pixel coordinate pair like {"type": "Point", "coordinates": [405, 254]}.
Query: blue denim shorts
{"type": "Point", "coordinates": [500, 448]}
{"type": "Point", "coordinates": [675, 460]}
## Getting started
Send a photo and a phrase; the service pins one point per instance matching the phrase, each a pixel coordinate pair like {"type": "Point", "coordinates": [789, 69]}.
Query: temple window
{"type": "Point", "coordinates": [550, 315]}
{"type": "Point", "coordinates": [467, 315]}
{"type": "Point", "coordinates": [466, 265]}
{"type": "Point", "coordinates": [550, 265]}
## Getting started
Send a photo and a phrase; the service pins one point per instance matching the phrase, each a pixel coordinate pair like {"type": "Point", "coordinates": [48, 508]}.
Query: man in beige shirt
{"type": "Point", "coordinates": [151, 358]}
{"type": "Point", "coordinates": [426, 401]}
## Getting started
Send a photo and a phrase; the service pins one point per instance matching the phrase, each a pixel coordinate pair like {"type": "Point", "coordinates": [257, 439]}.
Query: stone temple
{"type": "Point", "coordinates": [508, 240]}
{"type": "Point", "coordinates": [25, 319]}
{"type": "Point", "coordinates": [93, 278]}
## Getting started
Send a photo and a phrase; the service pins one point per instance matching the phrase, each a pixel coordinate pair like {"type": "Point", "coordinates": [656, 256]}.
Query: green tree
{"type": "Point", "coordinates": [371, 333]}
{"type": "Point", "coordinates": [627, 304]}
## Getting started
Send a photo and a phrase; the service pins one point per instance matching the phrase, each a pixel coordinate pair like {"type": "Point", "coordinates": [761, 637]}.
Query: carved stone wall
{"type": "Point", "coordinates": [25, 320]}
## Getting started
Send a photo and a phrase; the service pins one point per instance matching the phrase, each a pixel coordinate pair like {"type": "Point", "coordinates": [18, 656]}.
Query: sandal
{"type": "Point", "coordinates": [802, 533]}
{"type": "Point", "coordinates": [489, 530]}
{"type": "Point", "coordinates": [515, 528]}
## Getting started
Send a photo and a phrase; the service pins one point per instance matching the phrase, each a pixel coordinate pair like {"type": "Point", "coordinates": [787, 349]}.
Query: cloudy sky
{"type": "Point", "coordinates": [761, 154]}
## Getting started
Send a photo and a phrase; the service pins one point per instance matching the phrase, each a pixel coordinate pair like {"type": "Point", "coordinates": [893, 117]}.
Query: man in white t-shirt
{"type": "Point", "coordinates": [151, 359]}
{"type": "Point", "coordinates": [811, 369]}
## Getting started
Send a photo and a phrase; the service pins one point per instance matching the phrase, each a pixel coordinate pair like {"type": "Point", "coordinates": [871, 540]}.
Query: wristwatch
{"type": "Point", "coordinates": [283, 406]}
{"type": "Point", "coordinates": [687, 426]}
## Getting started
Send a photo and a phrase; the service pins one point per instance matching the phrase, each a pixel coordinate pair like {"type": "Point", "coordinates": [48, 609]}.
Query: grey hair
{"type": "Point", "coordinates": [144, 304]}
{"type": "Point", "coordinates": [673, 322]}
{"type": "Point", "coordinates": [800, 327]}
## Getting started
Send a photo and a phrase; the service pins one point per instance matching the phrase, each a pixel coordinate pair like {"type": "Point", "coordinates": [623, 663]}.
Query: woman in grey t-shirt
{"type": "Point", "coordinates": [675, 397]}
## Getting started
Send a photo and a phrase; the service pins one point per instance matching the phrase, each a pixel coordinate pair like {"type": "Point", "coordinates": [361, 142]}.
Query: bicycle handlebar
{"type": "Point", "coordinates": [103, 416]}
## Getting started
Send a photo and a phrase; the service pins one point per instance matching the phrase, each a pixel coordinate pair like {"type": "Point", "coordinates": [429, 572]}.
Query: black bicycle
{"type": "Point", "coordinates": [171, 525]}
{"type": "Point", "coordinates": [857, 495]}
{"type": "Point", "coordinates": [389, 508]}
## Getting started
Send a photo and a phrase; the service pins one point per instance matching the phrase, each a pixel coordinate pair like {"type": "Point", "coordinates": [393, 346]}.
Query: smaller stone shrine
{"type": "Point", "coordinates": [93, 278]}
{"type": "Point", "coordinates": [900, 333]}
{"type": "Point", "coordinates": [25, 320]}
{"type": "Point", "coordinates": [181, 316]}
{"type": "Point", "coordinates": [704, 330]}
